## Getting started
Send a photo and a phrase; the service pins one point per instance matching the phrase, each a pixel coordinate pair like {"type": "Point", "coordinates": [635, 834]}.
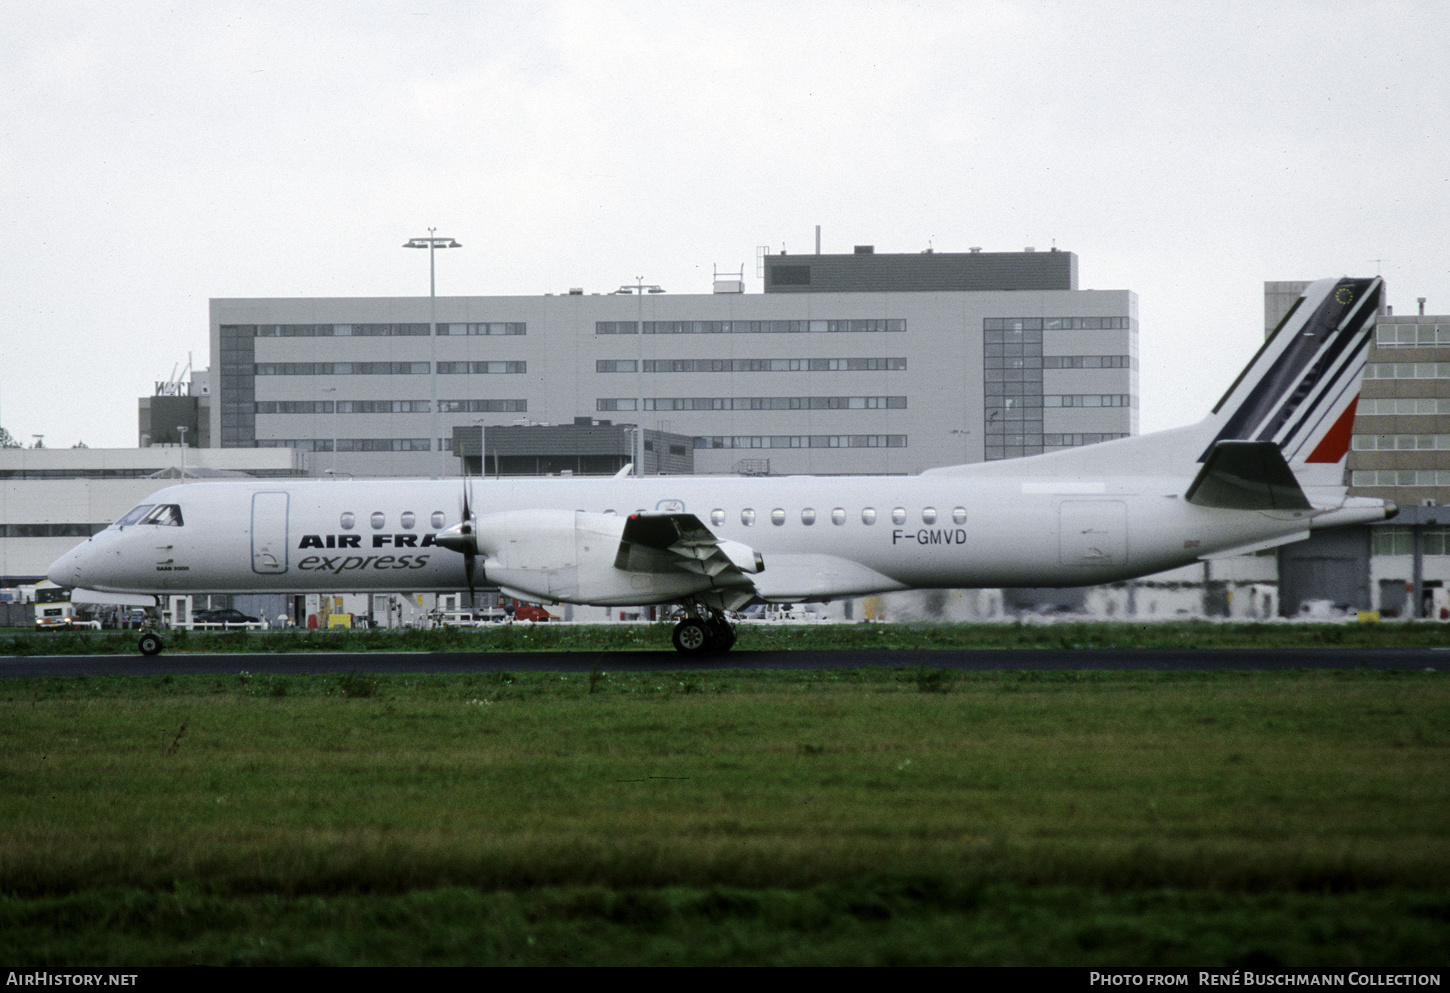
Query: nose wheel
{"type": "Point", "coordinates": [150, 642]}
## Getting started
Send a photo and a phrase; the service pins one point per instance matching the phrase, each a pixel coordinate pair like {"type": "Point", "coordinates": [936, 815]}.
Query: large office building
{"type": "Point", "coordinates": [851, 363]}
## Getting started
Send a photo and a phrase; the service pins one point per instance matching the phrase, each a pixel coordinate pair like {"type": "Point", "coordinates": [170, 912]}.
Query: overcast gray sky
{"type": "Point", "coordinates": [155, 155]}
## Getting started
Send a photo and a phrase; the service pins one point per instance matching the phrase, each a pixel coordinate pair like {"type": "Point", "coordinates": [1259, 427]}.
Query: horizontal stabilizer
{"type": "Point", "coordinates": [1247, 475]}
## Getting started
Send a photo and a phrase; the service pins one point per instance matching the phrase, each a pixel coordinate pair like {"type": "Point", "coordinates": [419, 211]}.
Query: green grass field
{"type": "Point", "coordinates": [854, 817]}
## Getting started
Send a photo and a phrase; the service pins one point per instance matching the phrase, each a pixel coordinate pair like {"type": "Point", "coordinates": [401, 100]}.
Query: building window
{"type": "Point", "coordinates": [1012, 386]}
{"type": "Point", "coordinates": [1403, 406]}
{"type": "Point", "coordinates": [483, 406]}
{"type": "Point", "coordinates": [490, 328]}
{"type": "Point", "coordinates": [754, 403]}
{"type": "Point", "coordinates": [1407, 370]}
{"type": "Point", "coordinates": [480, 368]}
{"type": "Point", "coordinates": [1088, 400]}
{"type": "Point", "coordinates": [1402, 442]}
{"type": "Point", "coordinates": [1088, 362]}
{"type": "Point", "coordinates": [776, 365]}
{"type": "Point", "coordinates": [1399, 477]}
{"type": "Point", "coordinates": [1396, 540]}
{"type": "Point", "coordinates": [802, 441]}
{"type": "Point", "coordinates": [1411, 335]}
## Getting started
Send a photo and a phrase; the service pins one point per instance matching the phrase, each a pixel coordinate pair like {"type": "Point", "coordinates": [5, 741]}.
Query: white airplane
{"type": "Point", "coordinates": [1265, 468]}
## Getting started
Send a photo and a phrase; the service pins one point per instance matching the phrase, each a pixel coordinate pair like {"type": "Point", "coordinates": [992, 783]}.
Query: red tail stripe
{"type": "Point", "coordinates": [1333, 446]}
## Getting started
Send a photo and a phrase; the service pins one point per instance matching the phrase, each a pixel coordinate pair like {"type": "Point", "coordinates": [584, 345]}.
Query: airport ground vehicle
{"type": "Point", "coordinates": [227, 618]}
{"type": "Point", "coordinates": [55, 612]}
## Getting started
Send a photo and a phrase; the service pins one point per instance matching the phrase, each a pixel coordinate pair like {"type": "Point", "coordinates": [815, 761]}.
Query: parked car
{"type": "Point", "coordinates": [469, 618]}
{"type": "Point", "coordinates": [226, 618]}
{"type": "Point", "coordinates": [518, 610]}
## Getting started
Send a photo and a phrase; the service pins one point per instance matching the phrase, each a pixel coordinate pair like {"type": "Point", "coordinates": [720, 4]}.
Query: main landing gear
{"type": "Point", "coordinates": [703, 632]}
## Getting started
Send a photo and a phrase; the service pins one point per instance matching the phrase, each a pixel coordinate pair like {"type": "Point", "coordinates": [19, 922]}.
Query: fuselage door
{"type": "Point", "coordinates": [269, 533]}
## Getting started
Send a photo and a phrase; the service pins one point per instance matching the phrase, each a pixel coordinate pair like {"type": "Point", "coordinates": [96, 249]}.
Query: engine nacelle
{"type": "Point", "coordinates": [569, 556]}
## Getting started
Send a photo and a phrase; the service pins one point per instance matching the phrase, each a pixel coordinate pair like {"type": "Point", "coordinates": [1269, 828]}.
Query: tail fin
{"type": "Point", "coordinates": [1284, 426]}
{"type": "Point", "coordinates": [1300, 392]}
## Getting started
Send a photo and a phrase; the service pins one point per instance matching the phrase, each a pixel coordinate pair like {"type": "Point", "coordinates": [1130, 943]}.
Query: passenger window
{"type": "Point", "coordinates": [348, 520]}
{"type": "Point", "coordinates": [378, 520]}
{"type": "Point", "coordinates": [747, 517]}
{"type": "Point", "coordinates": [717, 517]}
{"type": "Point", "coordinates": [808, 516]}
{"type": "Point", "coordinates": [928, 515]}
{"type": "Point", "coordinates": [898, 516]}
{"type": "Point", "coordinates": [959, 516]}
{"type": "Point", "coordinates": [408, 520]}
{"type": "Point", "coordinates": [777, 516]}
{"type": "Point", "coordinates": [838, 516]}
{"type": "Point", "coordinates": [438, 520]}
{"type": "Point", "coordinates": [868, 516]}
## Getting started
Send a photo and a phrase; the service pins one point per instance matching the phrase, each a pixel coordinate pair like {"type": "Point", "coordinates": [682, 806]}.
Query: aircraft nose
{"type": "Point", "coordinates": [66, 570]}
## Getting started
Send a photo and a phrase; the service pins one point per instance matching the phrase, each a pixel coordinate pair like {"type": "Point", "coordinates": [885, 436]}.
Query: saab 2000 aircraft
{"type": "Point", "coordinates": [1264, 468]}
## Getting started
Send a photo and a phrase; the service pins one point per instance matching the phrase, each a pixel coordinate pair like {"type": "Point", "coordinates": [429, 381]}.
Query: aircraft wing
{"type": "Point", "coordinates": [679, 542]}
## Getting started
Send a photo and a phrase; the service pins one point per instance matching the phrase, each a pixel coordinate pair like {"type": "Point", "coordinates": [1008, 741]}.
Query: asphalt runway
{"type": "Point", "coordinates": [967, 660]}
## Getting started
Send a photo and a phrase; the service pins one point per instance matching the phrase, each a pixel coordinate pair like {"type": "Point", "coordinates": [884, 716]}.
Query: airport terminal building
{"type": "Point", "coordinates": [853, 363]}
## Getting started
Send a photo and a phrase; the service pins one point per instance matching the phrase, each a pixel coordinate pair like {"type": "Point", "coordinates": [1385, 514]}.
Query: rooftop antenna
{"type": "Point", "coordinates": [1377, 264]}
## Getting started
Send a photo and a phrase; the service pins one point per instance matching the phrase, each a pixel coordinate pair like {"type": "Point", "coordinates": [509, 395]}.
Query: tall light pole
{"type": "Point", "coordinates": [640, 288]}
{"type": "Point", "coordinates": [182, 429]}
{"type": "Point", "coordinates": [482, 450]}
{"type": "Point", "coordinates": [333, 390]}
{"type": "Point", "coordinates": [431, 242]}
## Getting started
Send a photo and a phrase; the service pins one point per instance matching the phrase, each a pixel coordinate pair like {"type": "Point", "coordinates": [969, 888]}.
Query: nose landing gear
{"type": "Point", "coordinates": [150, 642]}
{"type": "Point", "coordinates": [703, 632]}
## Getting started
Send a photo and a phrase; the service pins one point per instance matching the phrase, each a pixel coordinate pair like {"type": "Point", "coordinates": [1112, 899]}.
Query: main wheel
{"type": "Point", "coordinates": [150, 644]}
{"type": "Point", "coordinates": [722, 635]}
{"type": "Point", "coordinates": [691, 637]}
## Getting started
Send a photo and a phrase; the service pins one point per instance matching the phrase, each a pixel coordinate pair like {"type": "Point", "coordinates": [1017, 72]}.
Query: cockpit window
{"type": "Point", "coordinates": [165, 514]}
{"type": "Point", "coordinates": [134, 516]}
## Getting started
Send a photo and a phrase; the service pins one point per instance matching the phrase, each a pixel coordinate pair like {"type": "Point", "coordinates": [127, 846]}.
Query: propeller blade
{"type": "Point", "coordinates": [470, 552]}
